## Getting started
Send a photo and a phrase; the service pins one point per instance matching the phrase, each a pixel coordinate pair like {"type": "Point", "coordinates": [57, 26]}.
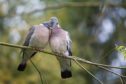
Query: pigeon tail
{"type": "Point", "coordinates": [66, 74]}
{"type": "Point", "coordinates": [22, 67]}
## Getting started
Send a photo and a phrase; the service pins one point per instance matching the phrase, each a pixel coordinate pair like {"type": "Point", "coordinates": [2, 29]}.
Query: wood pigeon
{"type": "Point", "coordinates": [60, 44]}
{"type": "Point", "coordinates": [37, 37]}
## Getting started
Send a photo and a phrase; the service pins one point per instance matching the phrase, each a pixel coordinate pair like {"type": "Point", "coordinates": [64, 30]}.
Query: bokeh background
{"type": "Point", "coordinates": [93, 31]}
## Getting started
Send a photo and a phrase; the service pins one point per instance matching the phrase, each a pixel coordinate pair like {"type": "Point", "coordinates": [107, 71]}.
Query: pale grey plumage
{"type": "Point", "coordinates": [38, 37]}
{"type": "Point", "coordinates": [60, 44]}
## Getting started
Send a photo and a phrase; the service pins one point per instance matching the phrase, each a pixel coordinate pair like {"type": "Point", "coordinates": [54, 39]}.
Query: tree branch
{"type": "Point", "coordinates": [68, 57]}
{"type": "Point", "coordinates": [37, 71]}
{"type": "Point", "coordinates": [88, 71]}
{"type": "Point", "coordinates": [121, 76]}
{"type": "Point", "coordinates": [77, 60]}
{"type": "Point", "coordinates": [96, 64]}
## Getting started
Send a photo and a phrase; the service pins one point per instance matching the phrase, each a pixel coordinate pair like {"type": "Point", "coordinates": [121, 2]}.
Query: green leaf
{"type": "Point", "coordinates": [121, 49]}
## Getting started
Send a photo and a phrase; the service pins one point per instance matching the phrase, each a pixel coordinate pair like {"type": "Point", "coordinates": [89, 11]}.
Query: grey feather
{"type": "Point", "coordinates": [28, 37]}
{"type": "Point", "coordinates": [69, 45]}
{"type": "Point", "coordinates": [31, 31]}
{"type": "Point", "coordinates": [46, 24]}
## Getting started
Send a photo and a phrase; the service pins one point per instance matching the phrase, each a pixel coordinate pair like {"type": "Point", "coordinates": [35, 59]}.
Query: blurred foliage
{"type": "Point", "coordinates": [83, 26]}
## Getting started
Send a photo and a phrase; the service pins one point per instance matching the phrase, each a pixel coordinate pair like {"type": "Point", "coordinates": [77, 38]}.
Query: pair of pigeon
{"type": "Point", "coordinates": [49, 32]}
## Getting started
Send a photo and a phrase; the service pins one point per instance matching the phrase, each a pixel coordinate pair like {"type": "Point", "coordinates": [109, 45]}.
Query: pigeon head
{"type": "Point", "coordinates": [53, 22]}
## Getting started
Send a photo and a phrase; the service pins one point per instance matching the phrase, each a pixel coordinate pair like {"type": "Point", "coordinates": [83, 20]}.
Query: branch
{"type": "Point", "coordinates": [37, 71]}
{"type": "Point", "coordinates": [68, 57]}
{"type": "Point", "coordinates": [96, 64]}
{"type": "Point", "coordinates": [88, 71]}
{"type": "Point", "coordinates": [42, 77]}
{"type": "Point", "coordinates": [120, 76]}
{"type": "Point", "coordinates": [76, 5]}
{"type": "Point", "coordinates": [77, 60]}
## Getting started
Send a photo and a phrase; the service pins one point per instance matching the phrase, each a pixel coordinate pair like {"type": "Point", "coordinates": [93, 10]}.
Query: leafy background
{"type": "Point", "coordinates": [92, 31]}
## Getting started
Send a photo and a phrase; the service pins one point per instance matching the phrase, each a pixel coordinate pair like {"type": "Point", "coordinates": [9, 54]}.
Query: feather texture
{"type": "Point", "coordinates": [37, 37]}
{"type": "Point", "coordinates": [60, 44]}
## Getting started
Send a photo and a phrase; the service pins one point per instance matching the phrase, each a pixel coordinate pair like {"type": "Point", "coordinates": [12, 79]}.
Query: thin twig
{"type": "Point", "coordinates": [96, 64]}
{"type": "Point", "coordinates": [121, 76]}
{"type": "Point", "coordinates": [122, 81]}
{"type": "Point", "coordinates": [68, 57]}
{"type": "Point", "coordinates": [37, 71]}
{"type": "Point", "coordinates": [104, 56]}
{"type": "Point", "coordinates": [88, 71]}
{"type": "Point", "coordinates": [111, 71]}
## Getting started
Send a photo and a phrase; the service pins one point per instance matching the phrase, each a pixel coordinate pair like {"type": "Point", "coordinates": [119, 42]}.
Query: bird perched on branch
{"type": "Point", "coordinates": [37, 37]}
{"type": "Point", "coordinates": [60, 44]}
